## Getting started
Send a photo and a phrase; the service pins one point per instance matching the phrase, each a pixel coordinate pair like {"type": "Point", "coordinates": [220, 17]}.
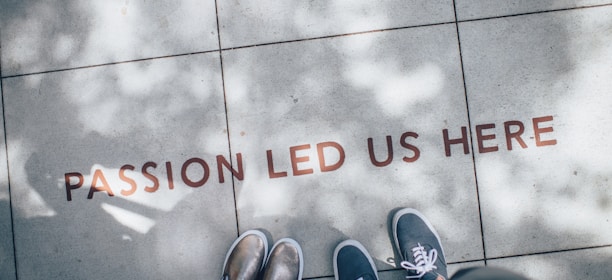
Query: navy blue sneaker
{"type": "Point", "coordinates": [353, 262]}
{"type": "Point", "coordinates": [418, 244]}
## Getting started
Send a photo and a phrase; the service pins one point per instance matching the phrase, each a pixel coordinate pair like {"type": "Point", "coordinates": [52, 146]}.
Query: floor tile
{"type": "Point", "coordinates": [548, 187]}
{"type": "Point", "coordinates": [300, 114]}
{"type": "Point", "coordinates": [475, 9]}
{"type": "Point", "coordinates": [144, 131]}
{"type": "Point", "coordinates": [580, 264]}
{"type": "Point", "coordinates": [293, 20]}
{"type": "Point", "coordinates": [48, 35]}
{"type": "Point", "coordinates": [7, 257]}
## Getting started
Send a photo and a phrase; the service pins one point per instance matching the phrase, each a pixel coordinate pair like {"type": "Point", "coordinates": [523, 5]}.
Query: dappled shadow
{"type": "Point", "coordinates": [176, 115]}
{"type": "Point", "coordinates": [347, 90]}
{"type": "Point", "coordinates": [298, 20]}
{"type": "Point", "coordinates": [7, 258]}
{"type": "Point", "coordinates": [547, 190]}
{"type": "Point", "coordinates": [44, 36]}
{"type": "Point", "coordinates": [476, 9]}
{"type": "Point", "coordinates": [556, 197]}
{"type": "Point", "coordinates": [94, 121]}
{"type": "Point", "coordinates": [343, 89]}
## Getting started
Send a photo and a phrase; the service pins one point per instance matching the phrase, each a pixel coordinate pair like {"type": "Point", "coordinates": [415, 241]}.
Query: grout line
{"type": "Point", "coordinates": [533, 13]}
{"type": "Point", "coordinates": [106, 64]}
{"type": "Point", "coordinates": [467, 104]}
{"type": "Point", "coordinates": [552, 252]}
{"type": "Point", "coordinates": [301, 40]}
{"type": "Point", "coordinates": [229, 144]}
{"type": "Point", "coordinates": [222, 49]}
{"type": "Point", "coordinates": [338, 35]}
{"type": "Point", "coordinates": [8, 175]}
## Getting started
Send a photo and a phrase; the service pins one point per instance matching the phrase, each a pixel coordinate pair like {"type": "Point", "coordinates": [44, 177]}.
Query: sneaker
{"type": "Point", "coordinates": [246, 257]}
{"type": "Point", "coordinates": [286, 261]}
{"type": "Point", "coordinates": [352, 262]}
{"type": "Point", "coordinates": [418, 244]}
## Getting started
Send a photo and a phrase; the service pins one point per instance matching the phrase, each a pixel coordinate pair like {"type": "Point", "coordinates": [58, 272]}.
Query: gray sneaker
{"type": "Point", "coordinates": [246, 256]}
{"type": "Point", "coordinates": [419, 245]}
{"type": "Point", "coordinates": [286, 261]}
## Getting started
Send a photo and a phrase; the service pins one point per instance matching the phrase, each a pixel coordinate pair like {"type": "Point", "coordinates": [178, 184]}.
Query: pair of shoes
{"type": "Point", "coordinates": [248, 257]}
{"type": "Point", "coordinates": [416, 241]}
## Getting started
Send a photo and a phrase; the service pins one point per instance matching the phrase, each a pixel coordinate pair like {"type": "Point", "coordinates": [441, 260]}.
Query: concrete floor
{"type": "Point", "coordinates": [141, 137]}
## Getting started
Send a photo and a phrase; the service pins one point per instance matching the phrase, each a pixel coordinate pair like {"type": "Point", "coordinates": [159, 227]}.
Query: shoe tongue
{"type": "Point", "coordinates": [423, 244]}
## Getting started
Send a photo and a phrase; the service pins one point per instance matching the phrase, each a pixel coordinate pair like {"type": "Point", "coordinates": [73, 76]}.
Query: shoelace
{"type": "Point", "coordinates": [424, 261]}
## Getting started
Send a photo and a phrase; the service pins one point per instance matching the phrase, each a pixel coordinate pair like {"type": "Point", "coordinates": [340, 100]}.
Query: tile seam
{"type": "Point", "coordinates": [297, 40]}
{"type": "Point", "coordinates": [222, 49]}
{"type": "Point", "coordinates": [467, 105]}
{"type": "Point", "coordinates": [552, 252]}
{"type": "Point", "coordinates": [534, 13]}
{"type": "Point", "coordinates": [229, 144]}
{"type": "Point", "coordinates": [338, 35]}
{"type": "Point", "coordinates": [8, 175]}
{"type": "Point", "coordinates": [106, 64]}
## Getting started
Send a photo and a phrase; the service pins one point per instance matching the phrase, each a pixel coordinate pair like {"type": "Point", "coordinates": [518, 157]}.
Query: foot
{"type": "Point", "coordinates": [352, 262]}
{"type": "Point", "coordinates": [419, 246]}
{"type": "Point", "coordinates": [286, 261]}
{"type": "Point", "coordinates": [246, 256]}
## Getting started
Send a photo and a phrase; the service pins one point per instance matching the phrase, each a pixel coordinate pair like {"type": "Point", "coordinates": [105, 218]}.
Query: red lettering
{"type": "Point", "coordinates": [295, 160]}
{"type": "Point", "coordinates": [413, 148]}
{"type": "Point", "coordinates": [201, 182]}
{"type": "Point", "coordinates": [127, 180]}
{"type": "Point", "coordinates": [335, 166]}
{"type": "Point", "coordinates": [271, 172]}
{"type": "Point", "coordinates": [538, 130]}
{"type": "Point", "coordinates": [480, 138]}
{"type": "Point", "coordinates": [98, 175]}
{"type": "Point", "coordinates": [169, 174]}
{"type": "Point", "coordinates": [150, 177]}
{"type": "Point", "coordinates": [221, 161]}
{"type": "Point", "coordinates": [389, 153]}
{"type": "Point", "coordinates": [70, 186]}
{"type": "Point", "coordinates": [516, 135]}
{"type": "Point", "coordinates": [463, 140]}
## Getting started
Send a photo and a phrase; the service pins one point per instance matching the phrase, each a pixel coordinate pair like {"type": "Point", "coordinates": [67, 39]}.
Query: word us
{"type": "Point", "coordinates": [150, 176]}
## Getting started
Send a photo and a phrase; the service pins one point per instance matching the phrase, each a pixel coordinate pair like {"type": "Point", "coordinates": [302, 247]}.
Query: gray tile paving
{"type": "Point", "coordinates": [550, 73]}
{"type": "Point", "coordinates": [7, 257]}
{"type": "Point", "coordinates": [49, 35]}
{"type": "Point", "coordinates": [300, 109]}
{"type": "Point", "coordinates": [291, 99]}
{"type": "Point", "coordinates": [579, 264]}
{"type": "Point", "coordinates": [293, 20]}
{"type": "Point", "coordinates": [133, 130]}
{"type": "Point", "coordinates": [475, 9]}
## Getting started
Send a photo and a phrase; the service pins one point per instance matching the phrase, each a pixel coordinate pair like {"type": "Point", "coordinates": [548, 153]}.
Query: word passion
{"type": "Point", "coordinates": [513, 132]}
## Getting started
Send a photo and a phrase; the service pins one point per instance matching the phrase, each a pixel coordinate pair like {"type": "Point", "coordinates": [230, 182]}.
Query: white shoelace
{"type": "Point", "coordinates": [424, 261]}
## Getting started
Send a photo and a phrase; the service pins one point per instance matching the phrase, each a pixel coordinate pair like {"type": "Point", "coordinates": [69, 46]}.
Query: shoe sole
{"type": "Point", "coordinates": [401, 213]}
{"type": "Point", "coordinates": [299, 249]}
{"type": "Point", "coordinates": [242, 236]}
{"type": "Point", "coordinates": [357, 245]}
